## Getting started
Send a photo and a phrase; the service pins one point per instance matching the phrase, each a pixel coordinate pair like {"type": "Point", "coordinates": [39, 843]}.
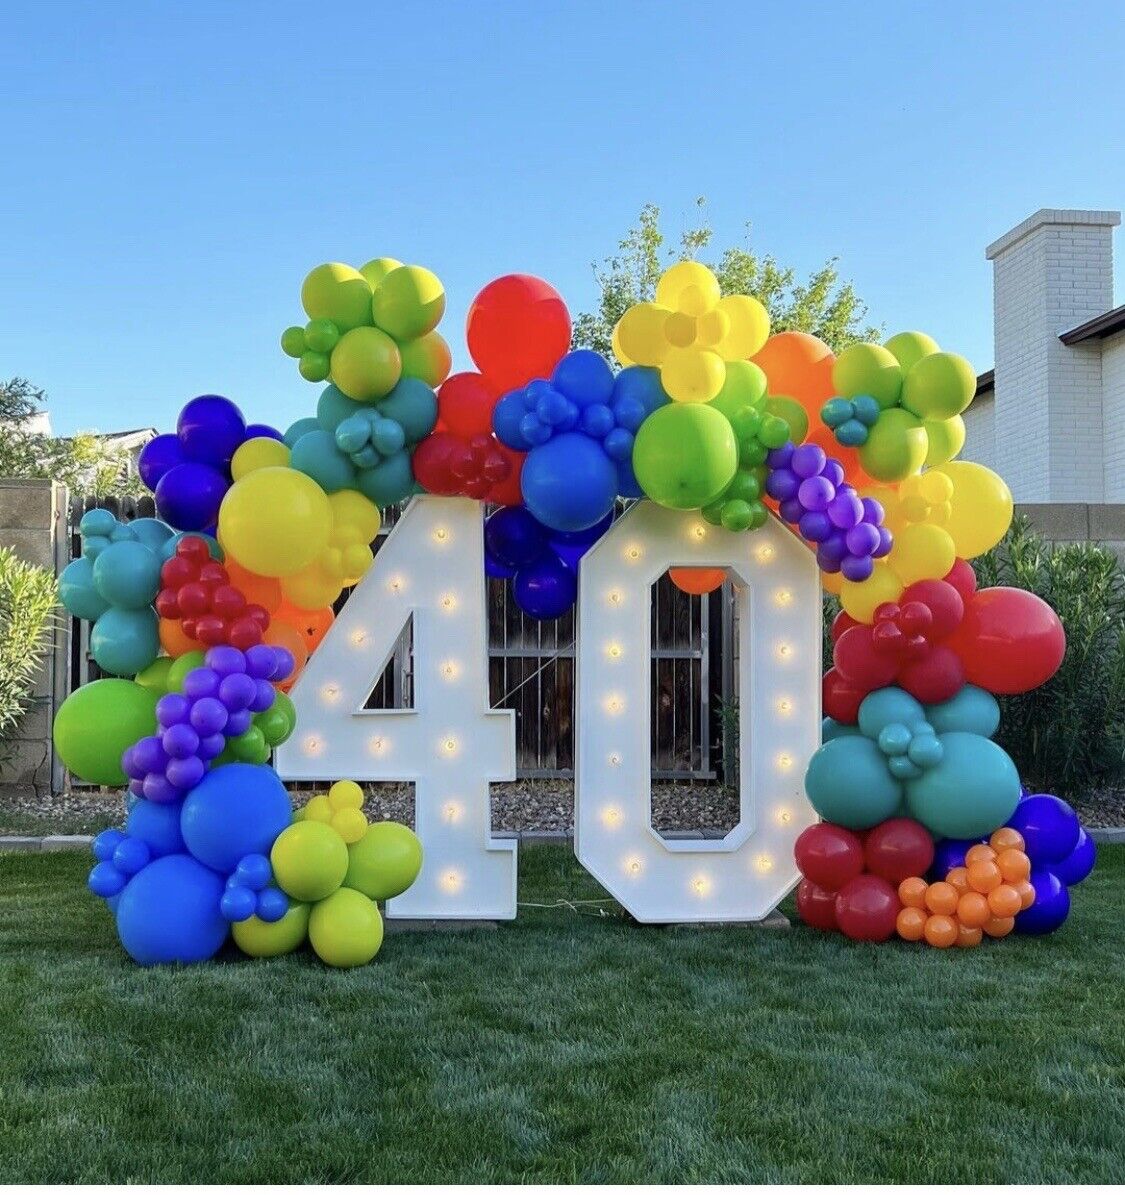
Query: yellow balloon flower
{"type": "Point", "coordinates": [980, 507]}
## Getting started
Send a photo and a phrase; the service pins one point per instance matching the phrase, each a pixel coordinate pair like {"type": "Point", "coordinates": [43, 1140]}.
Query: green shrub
{"type": "Point", "coordinates": [27, 601]}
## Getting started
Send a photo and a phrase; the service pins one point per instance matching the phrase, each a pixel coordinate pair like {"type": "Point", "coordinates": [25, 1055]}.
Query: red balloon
{"type": "Point", "coordinates": [507, 492]}
{"type": "Point", "coordinates": [867, 908]}
{"type": "Point", "coordinates": [936, 676]}
{"type": "Point", "coordinates": [518, 328]}
{"type": "Point", "coordinates": [465, 405]}
{"type": "Point", "coordinates": [816, 906]}
{"type": "Point", "coordinates": [841, 623]}
{"type": "Point", "coordinates": [962, 578]}
{"type": "Point", "coordinates": [858, 661]}
{"type": "Point", "coordinates": [829, 855]}
{"type": "Point", "coordinates": [840, 699]}
{"type": "Point", "coordinates": [433, 462]}
{"type": "Point", "coordinates": [944, 602]}
{"type": "Point", "coordinates": [898, 848]}
{"type": "Point", "coordinates": [1010, 641]}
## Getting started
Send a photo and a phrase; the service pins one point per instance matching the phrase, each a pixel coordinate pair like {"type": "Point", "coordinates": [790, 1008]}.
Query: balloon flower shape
{"type": "Point", "coordinates": [369, 328]}
{"type": "Point", "coordinates": [690, 332]}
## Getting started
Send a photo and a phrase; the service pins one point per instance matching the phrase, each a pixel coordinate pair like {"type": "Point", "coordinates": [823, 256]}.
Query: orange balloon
{"type": "Point", "coordinates": [981, 852]}
{"type": "Point", "coordinates": [1026, 891]}
{"type": "Point", "coordinates": [173, 639]}
{"type": "Point", "coordinates": [1014, 865]}
{"type": "Point", "coordinates": [312, 624]}
{"type": "Point", "coordinates": [912, 892]}
{"type": "Point", "coordinates": [999, 927]}
{"type": "Point", "coordinates": [941, 898]}
{"type": "Point", "coordinates": [959, 878]}
{"type": "Point", "coordinates": [941, 931]}
{"type": "Point", "coordinates": [1006, 838]}
{"type": "Point", "coordinates": [262, 591]}
{"type": "Point", "coordinates": [697, 580]}
{"type": "Point", "coordinates": [1004, 901]}
{"type": "Point", "coordinates": [984, 875]}
{"type": "Point", "coordinates": [966, 936]}
{"type": "Point", "coordinates": [973, 910]}
{"type": "Point", "coordinates": [911, 923]}
{"type": "Point", "coordinates": [281, 634]}
{"type": "Point", "coordinates": [798, 365]}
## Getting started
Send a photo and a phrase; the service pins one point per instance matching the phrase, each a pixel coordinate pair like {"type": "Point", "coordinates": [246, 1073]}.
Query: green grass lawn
{"type": "Point", "coordinates": [561, 1047]}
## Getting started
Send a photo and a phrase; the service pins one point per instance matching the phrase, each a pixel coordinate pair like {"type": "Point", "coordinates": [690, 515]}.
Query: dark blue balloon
{"type": "Point", "coordinates": [569, 484]}
{"type": "Point", "coordinates": [234, 811]}
{"type": "Point", "coordinates": [157, 825]}
{"type": "Point", "coordinates": [1049, 909]}
{"type": "Point", "coordinates": [948, 854]}
{"type": "Point", "coordinates": [210, 429]}
{"type": "Point", "coordinates": [571, 546]}
{"type": "Point", "coordinates": [1049, 826]}
{"type": "Point", "coordinates": [169, 912]}
{"type": "Point", "coordinates": [545, 589]}
{"type": "Point", "coordinates": [494, 568]}
{"type": "Point", "coordinates": [256, 431]}
{"type": "Point", "coordinates": [157, 457]}
{"type": "Point", "coordinates": [188, 497]}
{"type": "Point", "coordinates": [1079, 863]}
{"type": "Point", "coordinates": [514, 537]}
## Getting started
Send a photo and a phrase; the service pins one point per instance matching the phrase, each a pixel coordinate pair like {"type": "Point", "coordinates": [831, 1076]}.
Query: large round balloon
{"type": "Point", "coordinates": [1049, 909]}
{"type": "Point", "coordinates": [169, 912]}
{"type": "Point", "coordinates": [210, 428]}
{"type": "Point", "coordinates": [157, 825]}
{"type": "Point", "coordinates": [569, 483]}
{"type": "Point", "coordinates": [236, 810]}
{"type": "Point", "coordinates": [77, 592]}
{"type": "Point", "coordinates": [275, 521]}
{"type": "Point", "coordinates": [898, 848]}
{"type": "Point", "coordinates": [545, 589]}
{"type": "Point", "coordinates": [980, 509]}
{"type": "Point", "coordinates": [867, 909]}
{"type": "Point", "coordinates": [517, 329]}
{"type": "Point", "coordinates": [1010, 640]}
{"type": "Point", "coordinates": [158, 456]}
{"type": "Point", "coordinates": [829, 856]}
{"type": "Point", "coordinates": [345, 929]}
{"type": "Point", "coordinates": [127, 574]}
{"type": "Point", "coordinates": [125, 642]}
{"type": "Point", "coordinates": [188, 496]}
{"type": "Point", "coordinates": [848, 783]}
{"type": "Point", "coordinates": [310, 860]}
{"type": "Point", "coordinates": [268, 939]}
{"type": "Point", "coordinates": [1050, 828]}
{"type": "Point", "coordinates": [974, 789]}
{"type": "Point", "coordinates": [96, 724]}
{"type": "Point", "coordinates": [1079, 863]}
{"type": "Point", "coordinates": [385, 861]}
{"type": "Point", "coordinates": [816, 906]}
{"type": "Point", "coordinates": [685, 455]}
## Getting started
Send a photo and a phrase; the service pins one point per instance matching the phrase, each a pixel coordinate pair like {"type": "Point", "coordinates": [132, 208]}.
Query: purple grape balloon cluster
{"type": "Point", "coordinates": [813, 496]}
{"type": "Point", "coordinates": [218, 702]}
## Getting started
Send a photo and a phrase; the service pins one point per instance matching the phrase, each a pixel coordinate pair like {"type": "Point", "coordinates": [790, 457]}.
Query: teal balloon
{"type": "Point", "coordinates": [317, 456]}
{"type": "Point", "coordinates": [973, 710]}
{"type": "Point", "coordinates": [831, 729]}
{"type": "Point", "coordinates": [974, 789]}
{"type": "Point", "coordinates": [77, 592]}
{"type": "Point", "coordinates": [353, 433]}
{"type": "Point", "coordinates": [387, 436]}
{"type": "Point", "coordinates": [848, 783]}
{"type": "Point", "coordinates": [388, 483]}
{"type": "Point", "coordinates": [127, 574]}
{"type": "Point", "coordinates": [152, 533]}
{"type": "Point", "coordinates": [168, 548]}
{"type": "Point", "coordinates": [412, 405]}
{"type": "Point", "coordinates": [125, 642]}
{"type": "Point", "coordinates": [884, 706]}
{"type": "Point", "coordinates": [334, 406]}
{"type": "Point", "coordinates": [301, 428]}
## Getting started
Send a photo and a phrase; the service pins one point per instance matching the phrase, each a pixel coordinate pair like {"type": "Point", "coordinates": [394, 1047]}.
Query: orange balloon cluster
{"type": "Point", "coordinates": [981, 898]}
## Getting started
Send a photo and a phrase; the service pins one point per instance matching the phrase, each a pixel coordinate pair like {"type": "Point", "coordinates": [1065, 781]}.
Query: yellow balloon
{"type": "Point", "coordinates": [862, 598]}
{"type": "Point", "coordinates": [615, 343]}
{"type": "Point", "coordinates": [259, 453]}
{"type": "Point", "coordinates": [981, 507]}
{"type": "Point", "coordinates": [831, 582]}
{"type": "Point", "coordinates": [640, 333]}
{"type": "Point", "coordinates": [275, 521]}
{"type": "Point", "coordinates": [688, 286]}
{"type": "Point", "coordinates": [921, 552]}
{"type": "Point", "coordinates": [749, 327]}
{"type": "Point", "coordinates": [354, 517]}
{"type": "Point", "coordinates": [889, 499]}
{"type": "Point", "coordinates": [692, 375]}
{"type": "Point", "coordinates": [314, 587]}
{"type": "Point", "coordinates": [346, 929]}
{"type": "Point", "coordinates": [268, 939]}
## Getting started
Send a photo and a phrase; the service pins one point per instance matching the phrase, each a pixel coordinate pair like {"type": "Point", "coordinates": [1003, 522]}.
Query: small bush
{"type": "Point", "coordinates": [27, 601]}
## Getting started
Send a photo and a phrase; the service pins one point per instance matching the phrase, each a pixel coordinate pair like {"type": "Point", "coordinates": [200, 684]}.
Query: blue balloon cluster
{"type": "Point", "coordinates": [851, 419]}
{"type": "Point", "coordinates": [577, 428]}
{"type": "Point", "coordinates": [189, 471]}
{"type": "Point", "coordinates": [251, 892]}
{"type": "Point", "coordinates": [365, 446]}
{"type": "Point", "coordinates": [930, 763]}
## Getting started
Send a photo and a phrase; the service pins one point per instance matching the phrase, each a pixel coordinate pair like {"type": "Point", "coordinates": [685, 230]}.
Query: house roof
{"type": "Point", "coordinates": [986, 383]}
{"type": "Point", "coordinates": [1097, 328]}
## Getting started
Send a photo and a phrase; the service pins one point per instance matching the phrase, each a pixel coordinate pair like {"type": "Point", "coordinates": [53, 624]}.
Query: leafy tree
{"type": "Point", "coordinates": [84, 463]}
{"type": "Point", "coordinates": [822, 304]}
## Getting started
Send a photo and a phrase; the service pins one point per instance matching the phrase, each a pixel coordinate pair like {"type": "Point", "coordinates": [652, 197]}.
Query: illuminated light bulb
{"type": "Point", "coordinates": [701, 885]}
{"type": "Point", "coordinates": [330, 693]}
{"type": "Point", "coordinates": [783, 597]}
{"type": "Point", "coordinates": [441, 536]}
{"type": "Point", "coordinates": [614, 759]}
{"type": "Point", "coordinates": [396, 584]}
{"type": "Point", "coordinates": [634, 552]}
{"type": "Point", "coordinates": [358, 638]}
{"type": "Point", "coordinates": [451, 881]}
{"type": "Point", "coordinates": [611, 816]}
{"type": "Point", "coordinates": [378, 745]}
{"type": "Point", "coordinates": [698, 531]}
{"type": "Point", "coordinates": [633, 866]}
{"type": "Point", "coordinates": [449, 745]}
{"type": "Point", "coordinates": [785, 652]}
{"type": "Point", "coordinates": [451, 811]}
{"type": "Point", "coordinates": [784, 816]}
{"type": "Point", "coordinates": [765, 553]}
{"type": "Point", "coordinates": [784, 707]}
{"type": "Point", "coordinates": [448, 602]}
{"type": "Point", "coordinates": [764, 863]}
{"type": "Point", "coordinates": [313, 745]}
{"type": "Point", "coordinates": [784, 762]}
{"type": "Point", "coordinates": [615, 597]}
{"type": "Point", "coordinates": [613, 650]}
{"type": "Point", "coordinates": [613, 704]}
{"type": "Point", "coordinates": [450, 670]}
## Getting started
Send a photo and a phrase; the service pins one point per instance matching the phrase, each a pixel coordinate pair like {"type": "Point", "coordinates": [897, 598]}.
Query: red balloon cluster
{"type": "Point", "coordinates": [851, 880]}
{"type": "Point", "coordinates": [475, 468]}
{"type": "Point", "coordinates": [197, 590]}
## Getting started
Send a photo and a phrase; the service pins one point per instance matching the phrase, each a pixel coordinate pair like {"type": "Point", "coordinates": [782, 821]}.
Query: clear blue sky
{"type": "Point", "coordinates": [172, 171]}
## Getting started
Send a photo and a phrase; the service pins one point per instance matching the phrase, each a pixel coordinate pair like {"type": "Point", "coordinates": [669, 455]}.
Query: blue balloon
{"type": "Point", "coordinates": [188, 497]}
{"type": "Point", "coordinates": [105, 880]}
{"type": "Point", "coordinates": [169, 913]}
{"type": "Point", "coordinates": [545, 588]}
{"type": "Point", "coordinates": [157, 457]}
{"type": "Point", "coordinates": [334, 406]}
{"type": "Point", "coordinates": [637, 392]}
{"type": "Point", "coordinates": [571, 546]}
{"type": "Point", "coordinates": [301, 428]}
{"type": "Point", "coordinates": [848, 783]}
{"type": "Point", "coordinates": [318, 456]}
{"type": "Point", "coordinates": [494, 568]}
{"type": "Point", "coordinates": [236, 810]}
{"type": "Point", "coordinates": [1079, 863]}
{"type": "Point", "coordinates": [125, 642]}
{"type": "Point", "coordinates": [210, 429]}
{"type": "Point", "coordinates": [127, 574]}
{"type": "Point", "coordinates": [569, 483]}
{"type": "Point", "coordinates": [1049, 826]}
{"type": "Point", "coordinates": [152, 533]}
{"type": "Point", "coordinates": [157, 825]}
{"type": "Point", "coordinates": [514, 536]}
{"type": "Point", "coordinates": [971, 792]}
{"type": "Point", "coordinates": [389, 482]}
{"type": "Point", "coordinates": [627, 484]}
{"type": "Point", "coordinates": [106, 843]}
{"type": "Point", "coordinates": [507, 418]}
{"type": "Point", "coordinates": [585, 377]}
{"type": "Point", "coordinates": [972, 710]}
{"type": "Point", "coordinates": [413, 405]}
{"type": "Point", "coordinates": [272, 904]}
{"type": "Point", "coordinates": [1049, 909]}
{"type": "Point", "coordinates": [77, 592]}
{"type": "Point", "coordinates": [259, 431]}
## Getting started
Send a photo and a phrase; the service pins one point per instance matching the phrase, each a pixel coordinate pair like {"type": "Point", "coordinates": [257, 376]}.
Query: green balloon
{"type": "Point", "coordinates": [337, 293]}
{"type": "Point", "coordinates": [408, 302]}
{"type": "Point", "coordinates": [155, 676]}
{"type": "Point", "coordinates": [248, 747]}
{"type": "Point", "coordinates": [848, 783]}
{"type": "Point", "coordinates": [378, 268]}
{"type": "Point", "coordinates": [366, 364]}
{"type": "Point", "coordinates": [745, 386]}
{"type": "Point", "coordinates": [95, 725]}
{"type": "Point", "coordinates": [314, 367]}
{"type": "Point", "coordinates": [973, 790]}
{"type": "Point", "coordinates": [908, 348]}
{"type": "Point", "coordinates": [321, 335]}
{"type": "Point", "coordinates": [428, 359]}
{"type": "Point", "coordinates": [385, 861]}
{"type": "Point", "coordinates": [181, 666]}
{"type": "Point", "coordinates": [685, 455]}
{"type": "Point", "coordinates": [794, 415]}
{"type": "Point", "coordinates": [896, 446]}
{"type": "Point", "coordinates": [276, 723]}
{"type": "Point", "coordinates": [309, 860]}
{"type": "Point", "coordinates": [293, 341]}
{"type": "Point", "coordinates": [939, 386]}
{"type": "Point", "coordinates": [868, 369]}
{"type": "Point", "coordinates": [268, 939]}
{"type": "Point", "coordinates": [944, 439]}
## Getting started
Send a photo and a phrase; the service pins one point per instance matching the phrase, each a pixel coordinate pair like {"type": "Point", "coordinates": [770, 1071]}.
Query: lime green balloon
{"type": "Point", "coordinates": [428, 358]}
{"type": "Point", "coordinates": [939, 386]}
{"type": "Point", "coordinates": [346, 929]}
{"type": "Point", "coordinates": [366, 364]}
{"type": "Point", "coordinates": [378, 268]}
{"type": "Point", "coordinates": [745, 386]}
{"type": "Point", "coordinates": [155, 676]}
{"type": "Point", "coordinates": [896, 446]}
{"type": "Point", "coordinates": [309, 860]}
{"type": "Point", "coordinates": [868, 369]}
{"type": "Point", "coordinates": [685, 455]}
{"type": "Point", "coordinates": [338, 293]}
{"type": "Point", "coordinates": [181, 666]}
{"type": "Point", "coordinates": [321, 335]}
{"type": "Point", "coordinates": [908, 348]}
{"type": "Point", "coordinates": [268, 939]}
{"type": "Point", "coordinates": [409, 302]}
{"type": "Point", "coordinates": [793, 413]}
{"type": "Point", "coordinates": [385, 861]}
{"type": "Point", "coordinates": [314, 367]}
{"type": "Point", "coordinates": [944, 439]}
{"type": "Point", "coordinates": [293, 342]}
{"type": "Point", "coordinates": [95, 725]}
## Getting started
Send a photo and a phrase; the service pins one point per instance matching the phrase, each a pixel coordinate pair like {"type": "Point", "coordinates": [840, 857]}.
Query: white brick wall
{"type": "Point", "coordinates": [1113, 400]}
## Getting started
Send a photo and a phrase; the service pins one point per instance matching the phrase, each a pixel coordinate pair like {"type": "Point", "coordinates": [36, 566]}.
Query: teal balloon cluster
{"type": "Point", "coordinates": [936, 764]}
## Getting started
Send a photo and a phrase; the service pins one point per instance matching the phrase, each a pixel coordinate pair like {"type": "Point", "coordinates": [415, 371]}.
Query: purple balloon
{"type": "Point", "coordinates": [226, 660]}
{"type": "Point", "coordinates": [210, 429]}
{"type": "Point", "coordinates": [834, 471]}
{"type": "Point", "coordinates": [185, 773]}
{"type": "Point", "coordinates": [779, 458]}
{"type": "Point", "coordinates": [886, 542]}
{"type": "Point", "coordinates": [172, 709]}
{"type": "Point", "coordinates": [238, 723]}
{"type": "Point", "coordinates": [130, 766]}
{"type": "Point", "coordinates": [791, 509]}
{"type": "Point", "coordinates": [188, 496]}
{"type": "Point", "coordinates": [493, 567]}
{"type": "Point", "coordinates": [157, 457]}
{"type": "Point", "coordinates": [815, 525]}
{"type": "Point", "coordinates": [857, 568]}
{"type": "Point", "coordinates": [545, 589]}
{"type": "Point", "coordinates": [1049, 909]}
{"type": "Point", "coordinates": [872, 511]}
{"type": "Point", "coordinates": [256, 431]}
{"type": "Point", "coordinates": [201, 682]}
{"type": "Point", "coordinates": [180, 741]}
{"type": "Point", "coordinates": [515, 536]}
{"type": "Point", "coordinates": [137, 788]}
{"type": "Point", "coordinates": [209, 715]}
{"type": "Point", "coordinates": [845, 510]}
{"type": "Point", "coordinates": [150, 754]}
{"type": "Point", "coordinates": [260, 661]}
{"type": "Point", "coordinates": [1079, 863]}
{"type": "Point", "coordinates": [237, 691]}
{"type": "Point", "coordinates": [862, 539]}
{"type": "Point", "coordinates": [284, 663]}
{"type": "Point", "coordinates": [1049, 826]}
{"type": "Point", "coordinates": [783, 485]}
{"type": "Point", "coordinates": [157, 788]}
{"type": "Point", "coordinates": [263, 697]}
{"type": "Point", "coordinates": [816, 493]}
{"type": "Point", "coordinates": [212, 745]}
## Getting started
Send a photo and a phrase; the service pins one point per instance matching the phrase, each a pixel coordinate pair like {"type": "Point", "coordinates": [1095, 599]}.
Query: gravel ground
{"type": "Point", "coordinates": [523, 805]}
